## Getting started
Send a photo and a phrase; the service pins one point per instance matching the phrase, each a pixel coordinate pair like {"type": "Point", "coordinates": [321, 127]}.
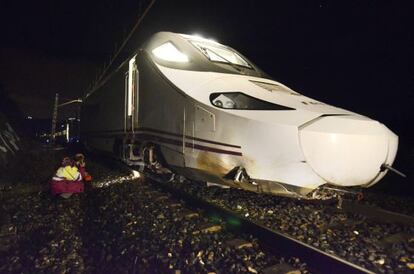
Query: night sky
{"type": "Point", "coordinates": [353, 54]}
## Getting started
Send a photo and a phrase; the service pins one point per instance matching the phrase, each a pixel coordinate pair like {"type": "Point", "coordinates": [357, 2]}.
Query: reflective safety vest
{"type": "Point", "coordinates": [70, 173]}
{"type": "Point", "coordinates": [67, 180]}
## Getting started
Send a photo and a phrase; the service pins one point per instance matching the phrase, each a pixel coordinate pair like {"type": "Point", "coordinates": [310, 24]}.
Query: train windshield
{"type": "Point", "coordinates": [239, 100]}
{"type": "Point", "coordinates": [218, 53]}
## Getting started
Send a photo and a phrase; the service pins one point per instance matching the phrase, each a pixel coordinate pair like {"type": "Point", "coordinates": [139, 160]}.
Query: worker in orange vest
{"type": "Point", "coordinates": [80, 164]}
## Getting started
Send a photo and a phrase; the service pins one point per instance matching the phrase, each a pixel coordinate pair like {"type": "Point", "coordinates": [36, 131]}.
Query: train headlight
{"type": "Point", "coordinates": [169, 52]}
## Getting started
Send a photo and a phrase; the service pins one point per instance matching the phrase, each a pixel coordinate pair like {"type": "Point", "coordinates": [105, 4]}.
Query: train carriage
{"type": "Point", "coordinates": [203, 110]}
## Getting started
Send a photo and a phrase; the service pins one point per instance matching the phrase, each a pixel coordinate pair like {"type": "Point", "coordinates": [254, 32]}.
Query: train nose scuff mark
{"type": "Point", "coordinates": [212, 163]}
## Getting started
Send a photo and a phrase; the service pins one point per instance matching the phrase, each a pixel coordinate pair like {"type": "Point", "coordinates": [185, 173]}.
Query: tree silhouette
{"type": "Point", "coordinates": [11, 111]}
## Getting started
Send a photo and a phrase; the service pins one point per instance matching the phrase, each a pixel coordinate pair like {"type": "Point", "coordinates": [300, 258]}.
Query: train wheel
{"type": "Point", "coordinates": [151, 157]}
{"type": "Point", "coordinates": [154, 160]}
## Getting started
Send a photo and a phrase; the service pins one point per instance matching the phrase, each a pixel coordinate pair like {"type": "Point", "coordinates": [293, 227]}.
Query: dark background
{"type": "Point", "coordinates": [357, 55]}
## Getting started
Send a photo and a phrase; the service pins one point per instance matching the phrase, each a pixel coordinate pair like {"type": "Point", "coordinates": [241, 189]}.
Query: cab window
{"type": "Point", "coordinates": [239, 100]}
{"type": "Point", "coordinates": [218, 53]}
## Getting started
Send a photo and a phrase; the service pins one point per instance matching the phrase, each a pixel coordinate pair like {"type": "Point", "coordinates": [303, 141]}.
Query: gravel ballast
{"type": "Point", "coordinates": [380, 247]}
{"type": "Point", "coordinates": [123, 225]}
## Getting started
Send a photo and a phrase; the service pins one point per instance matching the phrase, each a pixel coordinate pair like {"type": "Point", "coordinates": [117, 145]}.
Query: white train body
{"type": "Point", "coordinates": [210, 112]}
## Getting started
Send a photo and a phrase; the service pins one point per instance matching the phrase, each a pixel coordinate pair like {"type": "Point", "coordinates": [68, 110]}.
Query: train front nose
{"type": "Point", "coordinates": [348, 150]}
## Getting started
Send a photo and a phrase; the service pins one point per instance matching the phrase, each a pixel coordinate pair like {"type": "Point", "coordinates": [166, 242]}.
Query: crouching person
{"type": "Point", "coordinates": [67, 180]}
{"type": "Point", "coordinates": [81, 165]}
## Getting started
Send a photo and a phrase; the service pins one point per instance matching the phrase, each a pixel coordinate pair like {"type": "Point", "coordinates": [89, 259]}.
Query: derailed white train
{"type": "Point", "coordinates": [206, 112]}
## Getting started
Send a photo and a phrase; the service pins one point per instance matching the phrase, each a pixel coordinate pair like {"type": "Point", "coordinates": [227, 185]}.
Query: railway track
{"type": "Point", "coordinates": [377, 239]}
{"type": "Point", "coordinates": [194, 224]}
{"type": "Point", "coordinates": [317, 261]}
{"type": "Point", "coordinates": [359, 238]}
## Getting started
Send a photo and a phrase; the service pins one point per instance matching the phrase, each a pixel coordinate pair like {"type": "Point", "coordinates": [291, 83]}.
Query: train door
{"type": "Point", "coordinates": [131, 96]}
{"type": "Point", "coordinates": [199, 126]}
{"type": "Point", "coordinates": [199, 123]}
{"type": "Point", "coordinates": [128, 154]}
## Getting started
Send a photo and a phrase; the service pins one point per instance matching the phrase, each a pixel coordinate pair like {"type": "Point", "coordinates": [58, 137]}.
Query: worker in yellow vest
{"type": "Point", "coordinates": [67, 180]}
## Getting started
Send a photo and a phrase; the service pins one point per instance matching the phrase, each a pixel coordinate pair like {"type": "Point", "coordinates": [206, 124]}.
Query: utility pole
{"type": "Point", "coordinates": [54, 118]}
{"type": "Point", "coordinates": [55, 114]}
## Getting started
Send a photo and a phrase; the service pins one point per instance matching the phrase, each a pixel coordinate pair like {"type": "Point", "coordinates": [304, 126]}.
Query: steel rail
{"type": "Point", "coordinates": [317, 260]}
{"type": "Point", "coordinates": [376, 213]}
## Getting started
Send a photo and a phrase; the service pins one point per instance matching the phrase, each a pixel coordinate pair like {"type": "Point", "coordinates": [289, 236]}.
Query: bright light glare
{"type": "Point", "coordinates": [169, 52]}
{"type": "Point", "coordinates": [198, 37]}
{"type": "Point", "coordinates": [67, 133]}
{"type": "Point", "coordinates": [135, 174]}
{"type": "Point", "coordinates": [131, 83]}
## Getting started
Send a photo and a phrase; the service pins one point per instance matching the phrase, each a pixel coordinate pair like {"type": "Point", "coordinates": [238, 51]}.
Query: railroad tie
{"type": "Point", "coordinates": [174, 205]}
{"type": "Point", "coordinates": [281, 269]}
{"type": "Point", "coordinates": [239, 244]}
{"type": "Point", "coordinates": [187, 214]}
{"type": "Point", "coordinates": [208, 228]}
{"type": "Point", "coordinates": [151, 193]}
{"type": "Point", "coordinates": [161, 198]}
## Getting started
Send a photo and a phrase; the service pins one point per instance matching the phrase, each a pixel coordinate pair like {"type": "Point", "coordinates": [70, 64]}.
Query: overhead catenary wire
{"type": "Point", "coordinates": [111, 61]}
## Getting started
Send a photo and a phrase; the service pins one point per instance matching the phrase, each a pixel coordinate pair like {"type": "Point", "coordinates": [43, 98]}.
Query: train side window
{"type": "Point", "coordinates": [241, 101]}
